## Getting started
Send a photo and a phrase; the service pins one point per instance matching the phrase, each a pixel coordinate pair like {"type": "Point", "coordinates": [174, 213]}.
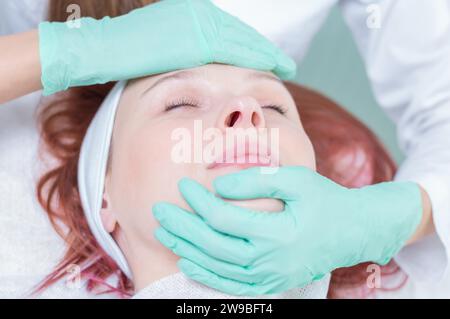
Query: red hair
{"type": "Point", "coordinates": [346, 151]}
{"type": "Point", "coordinates": [63, 124]}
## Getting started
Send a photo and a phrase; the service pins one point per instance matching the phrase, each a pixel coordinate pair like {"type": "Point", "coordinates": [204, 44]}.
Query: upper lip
{"type": "Point", "coordinates": [241, 158]}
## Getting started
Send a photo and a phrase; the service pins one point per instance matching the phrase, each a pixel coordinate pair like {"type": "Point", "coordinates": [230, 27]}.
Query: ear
{"type": "Point", "coordinates": [108, 217]}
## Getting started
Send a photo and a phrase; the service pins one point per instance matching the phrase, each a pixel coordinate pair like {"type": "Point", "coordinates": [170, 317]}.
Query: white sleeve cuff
{"type": "Point", "coordinates": [427, 259]}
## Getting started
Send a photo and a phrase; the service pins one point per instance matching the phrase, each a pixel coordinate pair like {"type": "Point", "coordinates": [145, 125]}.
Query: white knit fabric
{"type": "Point", "coordinates": [179, 286]}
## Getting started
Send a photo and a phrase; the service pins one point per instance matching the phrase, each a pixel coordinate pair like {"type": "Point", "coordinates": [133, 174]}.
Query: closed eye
{"type": "Point", "coordinates": [183, 102]}
{"type": "Point", "coordinates": [276, 108]}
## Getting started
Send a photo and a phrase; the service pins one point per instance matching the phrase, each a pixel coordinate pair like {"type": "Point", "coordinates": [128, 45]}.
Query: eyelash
{"type": "Point", "coordinates": [277, 108]}
{"type": "Point", "coordinates": [181, 102]}
{"type": "Point", "coordinates": [192, 103]}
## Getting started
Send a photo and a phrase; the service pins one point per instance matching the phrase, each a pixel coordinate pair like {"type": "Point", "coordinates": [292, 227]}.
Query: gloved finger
{"type": "Point", "coordinates": [284, 183]}
{"type": "Point", "coordinates": [224, 217]}
{"type": "Point", "coordinates": [277, 62]}
{"type": "Point", "coordinates": [243, 56]}
{"type": "Point", "coordinates": [285, 68]}
{"type": "Point", "coordinates": [238, 36]}
{"type": "Point", "coordinates": [192, 228]}
{"type": "Point", "coordinates": [215, 281]}
{"type": "Point", "coordinates": [186, 250]}
{"type": "Point", "coordinates": [274, 61]}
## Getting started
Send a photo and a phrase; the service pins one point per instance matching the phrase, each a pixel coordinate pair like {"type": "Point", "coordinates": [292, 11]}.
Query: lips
{"type": "Point", "coordinates": [243, 158]}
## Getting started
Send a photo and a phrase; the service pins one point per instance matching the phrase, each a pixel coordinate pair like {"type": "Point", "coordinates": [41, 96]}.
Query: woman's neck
{"type": "Point", "coordinates": [148, 261]}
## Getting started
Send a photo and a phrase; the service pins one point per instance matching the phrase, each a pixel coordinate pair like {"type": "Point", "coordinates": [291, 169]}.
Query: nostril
{"type": "Point", "coordinates": [233, 118]}
{"type": "Point", "coordinates": [256, 119]}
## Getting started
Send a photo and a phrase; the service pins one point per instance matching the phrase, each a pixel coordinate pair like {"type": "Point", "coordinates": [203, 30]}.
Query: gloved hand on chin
{"type": "Point", "coordinates": [324, 226]}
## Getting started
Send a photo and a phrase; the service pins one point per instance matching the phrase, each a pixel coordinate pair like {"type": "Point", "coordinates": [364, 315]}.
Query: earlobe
{"type": "Point", "coordinates": [109, 221]}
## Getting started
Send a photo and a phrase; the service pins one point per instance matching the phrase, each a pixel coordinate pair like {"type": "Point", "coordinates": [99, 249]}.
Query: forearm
{"type": "Point", "coordinates": [20, 65]}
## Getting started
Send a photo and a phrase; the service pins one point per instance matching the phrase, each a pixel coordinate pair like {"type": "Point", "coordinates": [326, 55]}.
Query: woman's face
{"type": "Point", "coordinates": [145, 156]}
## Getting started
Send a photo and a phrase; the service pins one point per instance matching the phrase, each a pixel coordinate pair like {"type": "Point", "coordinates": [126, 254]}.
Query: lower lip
{"type": "Point", "coordinates": [240, 163]}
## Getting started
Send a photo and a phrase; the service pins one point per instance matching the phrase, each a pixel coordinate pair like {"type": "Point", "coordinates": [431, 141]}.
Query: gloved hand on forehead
{"type": "Point", "coordinates": [162, 37]}
{"type": "Point", "coordinates": [323, 226]}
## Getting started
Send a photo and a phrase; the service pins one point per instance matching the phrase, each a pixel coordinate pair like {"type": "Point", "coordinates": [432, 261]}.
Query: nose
{"type": "Point", "coordinates": [241, 112]}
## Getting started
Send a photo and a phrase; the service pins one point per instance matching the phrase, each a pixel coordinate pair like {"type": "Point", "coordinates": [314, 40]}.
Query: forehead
{"type": "Point", "coordinates": [212, 73]}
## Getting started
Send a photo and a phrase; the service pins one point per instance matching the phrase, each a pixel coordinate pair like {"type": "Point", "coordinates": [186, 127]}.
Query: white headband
{"type": "Point", "coordinates": [92, 172]}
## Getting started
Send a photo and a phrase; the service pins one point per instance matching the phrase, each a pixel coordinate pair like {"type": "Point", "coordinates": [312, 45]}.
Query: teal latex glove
{"type": "Point", "coordinates": [324, 226]}
{"type": "Point", "coordinates": [162, 37]}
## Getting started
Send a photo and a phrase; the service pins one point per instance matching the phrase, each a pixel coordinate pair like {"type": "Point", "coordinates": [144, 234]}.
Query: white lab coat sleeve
{"type": "Point", "coordinates": [291, 24]}
{"type": "Point", "coordinates": [21, 15]}
{"type": "Point", "coordinates": [406, 48]}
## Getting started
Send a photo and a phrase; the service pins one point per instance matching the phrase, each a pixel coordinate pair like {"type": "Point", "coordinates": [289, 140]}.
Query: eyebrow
{"type": "Point", "coordinates": [185, 75]}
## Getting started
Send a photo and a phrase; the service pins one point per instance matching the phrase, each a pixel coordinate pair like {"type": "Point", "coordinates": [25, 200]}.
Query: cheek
{"type": "Point", "coordinates": [296, 148]}
{"type": "Point", "coordinates": [142, 174]}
